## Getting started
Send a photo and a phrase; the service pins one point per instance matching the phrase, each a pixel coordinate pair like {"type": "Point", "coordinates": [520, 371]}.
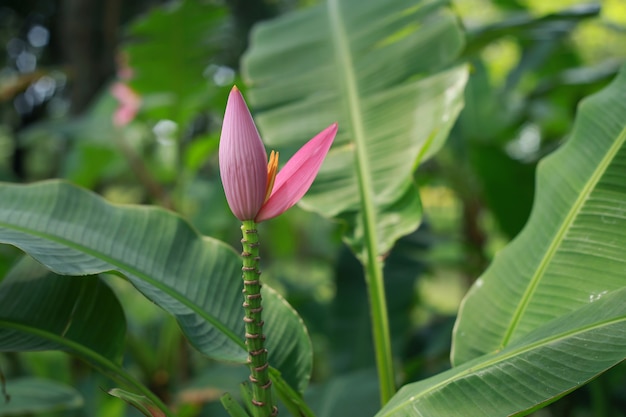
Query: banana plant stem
{"type": "Point", "coordinates": [370, 259]}
{"type": "Point", "coordinates": [263, 404]}
{"type": "Point", "coordinates": [380, 326]}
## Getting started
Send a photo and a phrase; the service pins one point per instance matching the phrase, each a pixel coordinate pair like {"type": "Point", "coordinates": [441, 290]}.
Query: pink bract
{"type": "Point", "coordinates": [243, 161]}
{"type": "Point", "coordinates": [296, 177]}
{"type": "Point", "coordinates": [243, 165]}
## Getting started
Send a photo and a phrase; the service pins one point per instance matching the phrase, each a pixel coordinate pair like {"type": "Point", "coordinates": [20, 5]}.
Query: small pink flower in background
{"type": "Point", "coordinates": [129, 100]}
{"type": "Point", "coordinates": [129, 103]}
{"type": "Point", "coordinates": [254, 190]}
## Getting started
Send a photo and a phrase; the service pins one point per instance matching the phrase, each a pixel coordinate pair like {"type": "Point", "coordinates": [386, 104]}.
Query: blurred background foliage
{"type": "Point", "coordinates": [64, 62]}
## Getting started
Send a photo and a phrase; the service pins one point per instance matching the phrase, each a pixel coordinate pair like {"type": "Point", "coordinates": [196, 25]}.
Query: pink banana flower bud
{"type": "Point", "coordinates": [255, 189]}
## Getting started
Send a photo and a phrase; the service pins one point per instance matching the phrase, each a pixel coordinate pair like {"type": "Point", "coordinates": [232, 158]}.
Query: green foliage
{"type": "Point", "coordinates": [29, 396]}
{"type": "Point", "coordinates": [169, 53]}
{"type": "Point", "coordinates": [536, 369]}
{"type": "Point", "coordinates": [548, 314]}
{"type": "Point", "coordinates": [359, 69]}
{"type": "Point", "coordinates": [448, 113]}
{"type": "Point", "coordinates": [41, 311]}
{"type": "Point", "coordinates": [82, 234]}
{"type": "Point", "coordinates": [355, 392]}
{"type": "Point", "coordinates": [143, 404]}
{"type": "Point", "coordinates": [573, 236]}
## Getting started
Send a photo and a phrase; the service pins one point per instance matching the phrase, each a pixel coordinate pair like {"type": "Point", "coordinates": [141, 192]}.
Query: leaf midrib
{"type": "Point", "coordinates": [125, 269]}
{"type": "Point", "coordinates": [345, 64]}
{"type": "Point", "coordinates": [369, 257]}
{"type": "Point", "coordinates": [569, 219]}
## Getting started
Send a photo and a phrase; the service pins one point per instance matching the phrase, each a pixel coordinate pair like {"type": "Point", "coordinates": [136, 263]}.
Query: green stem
{"type": "Point", "coordinates": [255, 340]}
{"type": "Point", "coordinates": [373, 265]}
{"type": "Point", "coordinates": [292, 400]}
{"type": "Point", "coordinates": [380, 326]}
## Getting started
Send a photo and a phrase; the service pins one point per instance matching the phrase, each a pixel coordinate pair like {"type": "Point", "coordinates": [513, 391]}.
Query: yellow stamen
{"type": "Point", "coordinates": [272, 169]}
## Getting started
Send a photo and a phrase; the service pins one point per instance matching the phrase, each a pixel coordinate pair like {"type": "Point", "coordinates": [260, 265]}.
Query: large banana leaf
{"type": "Point", "coordinates": [572, 250]}
{"type": "Point", "coordinates": [74, 232]}
{"type": "Point", "coordinates": [537, 368]}
{"type": "Point", "coordinates": [382, 70]}
{"type": "Point", "coordinates": [40, 310]}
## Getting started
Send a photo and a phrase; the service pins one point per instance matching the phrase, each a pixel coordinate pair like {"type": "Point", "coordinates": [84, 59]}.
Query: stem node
{"type": "Point", "coordinates": [255, 339]}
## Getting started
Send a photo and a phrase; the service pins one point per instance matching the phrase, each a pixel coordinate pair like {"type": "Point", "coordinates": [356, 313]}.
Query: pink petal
{"type": "Point", "coordinates": [129, 103]}
{"type": "Point", "coordinates": [296, 177]}
{"type": "Point", "coordinates": [242, 158]}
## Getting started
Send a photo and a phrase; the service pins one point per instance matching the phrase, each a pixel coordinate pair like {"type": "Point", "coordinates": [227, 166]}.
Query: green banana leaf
{"type": "Point", "coordinates": [141, 403]}
{"type": "Point", "coordinates": [40, 310]}
{"type": "Point", "coordinates": [29, 396]}
{"type": "Point", "coordinates": [571, 251]}
{"type": "Point", "coordinates": [198, 280]}
{"type": "Point", "coordinates": [534, 370]}
{"type": "Point", "coordinates": [383, 71]}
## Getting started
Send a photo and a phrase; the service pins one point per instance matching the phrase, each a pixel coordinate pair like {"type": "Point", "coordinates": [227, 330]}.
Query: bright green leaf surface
{"type": "Point", "coordinates": [572, 249]}
{"type": "Point", "coordinates": [377, 69]}
{"type": "Point", "coordinates": [74, 232]}
{"type": "Point", "coordinates": [34, 395]}
{"type": "Point", "coordinates": [40, 310]}
{"type": "Point", "coordinates": [539, 367]}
